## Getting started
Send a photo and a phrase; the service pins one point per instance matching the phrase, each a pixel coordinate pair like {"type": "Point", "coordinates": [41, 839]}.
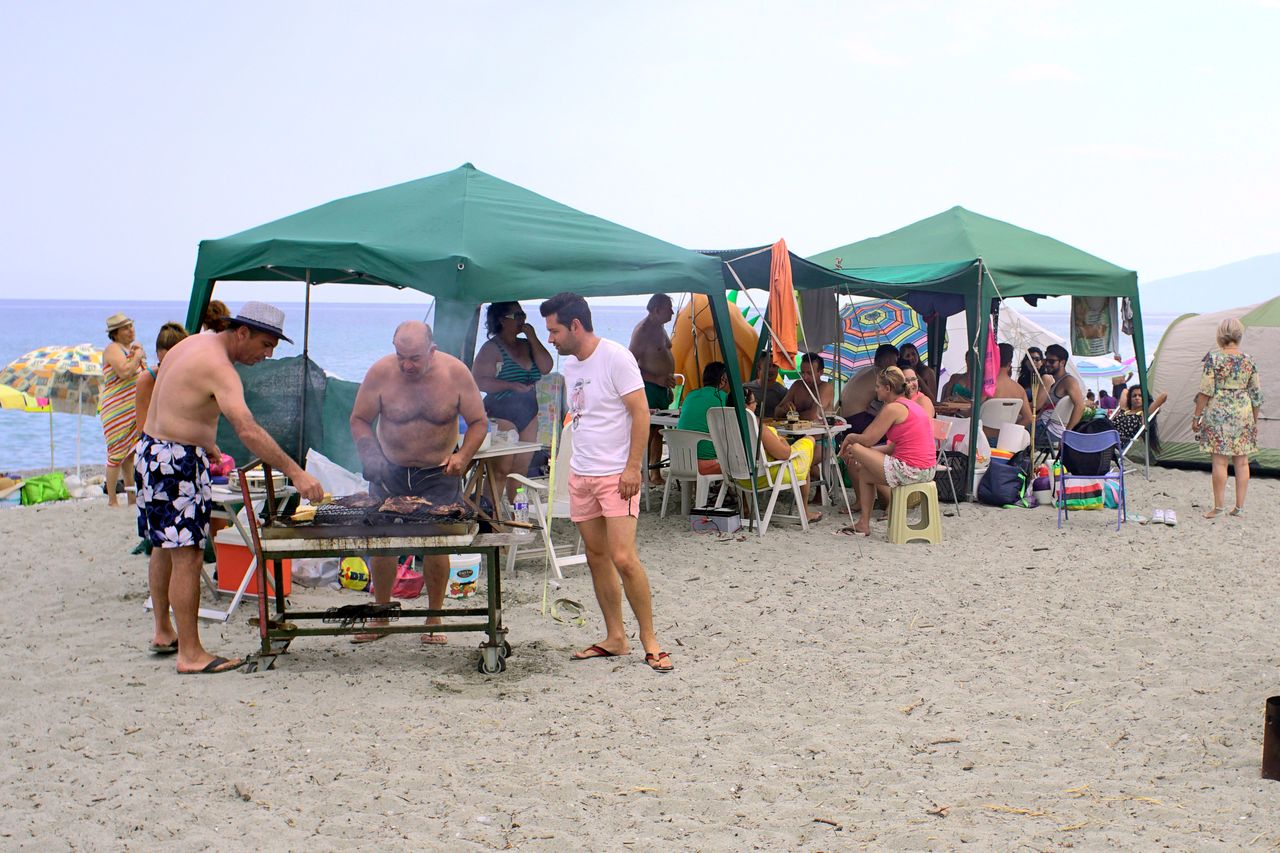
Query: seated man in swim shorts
{"type": "Point", "coordinates": [198, 383]}
{"type": "Point", "coordinates": [416, 396]}
{"type": "Point", "coordinates": [651, 347]}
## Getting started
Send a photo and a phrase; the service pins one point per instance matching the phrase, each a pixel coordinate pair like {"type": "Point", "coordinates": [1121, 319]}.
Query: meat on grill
{"type": "Point", "coordinates": [405, 505]}
{"type": "Point", "coordinates": [360, 500]}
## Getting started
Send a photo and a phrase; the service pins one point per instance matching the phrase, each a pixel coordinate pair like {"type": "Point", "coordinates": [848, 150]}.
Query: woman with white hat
{"type": "Point", "coordinates": [122, 361]}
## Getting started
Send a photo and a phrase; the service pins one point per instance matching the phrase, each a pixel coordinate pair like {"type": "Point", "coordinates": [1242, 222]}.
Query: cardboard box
{"type": "Point", "coordinates": [233, 562]}
{"type": "Point", "coordinates": [703, 519]}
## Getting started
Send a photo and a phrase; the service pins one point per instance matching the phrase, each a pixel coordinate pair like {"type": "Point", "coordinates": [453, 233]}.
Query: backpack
{"type": "Point", "coordinates": [1006, 482]}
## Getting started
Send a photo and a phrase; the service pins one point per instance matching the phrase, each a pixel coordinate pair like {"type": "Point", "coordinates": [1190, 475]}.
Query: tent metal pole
{"type": "Point", "coordinates": [306, 348]}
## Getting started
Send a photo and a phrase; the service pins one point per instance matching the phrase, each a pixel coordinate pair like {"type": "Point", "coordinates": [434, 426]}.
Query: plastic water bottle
{"type": "Point", "coordinates": [520, 509]}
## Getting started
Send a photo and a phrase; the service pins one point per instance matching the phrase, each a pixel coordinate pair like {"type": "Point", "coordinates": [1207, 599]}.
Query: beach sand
{"type": "Point", "coordinates": [1015, 685]}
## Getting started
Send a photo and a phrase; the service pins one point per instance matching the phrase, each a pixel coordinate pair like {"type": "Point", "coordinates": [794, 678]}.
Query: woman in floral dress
{"type": "Point", "coordinates": [1226, 417]}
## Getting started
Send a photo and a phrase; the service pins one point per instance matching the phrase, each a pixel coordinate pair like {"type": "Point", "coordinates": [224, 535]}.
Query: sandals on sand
{"type": "Point", "coordinates": [165, 649]}
{"type": "Point", "coordinates": [593, 652]}
{"type": "Point", "coordinates": [1215, 512]}
{"type": "Point", "coordinates": [661, 662]}
{"type": "Point", "coordinates": [214, 667]}
{"type": "Point", "coordinates": [1238, 512]}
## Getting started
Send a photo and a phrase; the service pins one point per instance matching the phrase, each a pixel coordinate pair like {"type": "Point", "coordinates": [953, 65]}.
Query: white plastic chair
{"type": "Point", "coordinates": [998, 411]}
{"type": "Point", "coordinates": [722, 422]}
{"type": "Point", "coordinates": [682, 451]}
{"type": "Point", "coordinates": [541, 504]}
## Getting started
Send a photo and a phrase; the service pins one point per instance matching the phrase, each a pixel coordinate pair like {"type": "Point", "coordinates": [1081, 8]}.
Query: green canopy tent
{"type": "Point", "coordinates": [1010, 262]}
{"type": "Point", "coordinates": [464, 237]}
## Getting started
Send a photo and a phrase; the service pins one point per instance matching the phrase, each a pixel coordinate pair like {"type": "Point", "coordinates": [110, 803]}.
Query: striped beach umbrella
{"type": "Point", "coordinates": [67, 375]}
{"type": "Point", "coordinates": [12, 398]}
{"type": "Point", "coordinates": [866, 325]}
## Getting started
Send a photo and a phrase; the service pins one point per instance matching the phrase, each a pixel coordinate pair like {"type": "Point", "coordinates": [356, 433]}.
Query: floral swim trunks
{"type": "Point", "coordinates": [173, 493]}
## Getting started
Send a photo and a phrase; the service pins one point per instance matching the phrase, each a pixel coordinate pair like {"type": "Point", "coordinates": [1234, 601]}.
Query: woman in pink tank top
{"type": "Point", "coordinates": [908, 457]}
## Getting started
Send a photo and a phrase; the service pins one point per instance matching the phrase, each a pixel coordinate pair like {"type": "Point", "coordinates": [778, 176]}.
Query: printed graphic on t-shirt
{"type": "Point", "coordinates": [578, 400]}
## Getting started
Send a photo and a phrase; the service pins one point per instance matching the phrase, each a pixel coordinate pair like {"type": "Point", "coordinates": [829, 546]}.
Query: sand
{"type": "Point", "coordinates": [1014, 686]}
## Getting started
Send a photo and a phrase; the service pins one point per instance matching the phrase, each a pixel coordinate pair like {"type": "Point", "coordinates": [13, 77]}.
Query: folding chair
{"type": "Point", "coordinates": [779, 474]}
{"type": "Point", "coordinates": [1137, 437]}
{"type": "Point", "coordinates": [941, 432]}
{"type": "Point", "coordinates": [1046, 444]}
{"type": "Point", "coordinates": [682, 450]}
{"type": "Point", "coordinates": [1093, 442]}
{"type": "Point", "coordinates": [544, 505]}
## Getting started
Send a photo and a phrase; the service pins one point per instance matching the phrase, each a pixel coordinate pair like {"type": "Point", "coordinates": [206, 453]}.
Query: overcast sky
{"type": "Point", "coordinates": [1143, 132]}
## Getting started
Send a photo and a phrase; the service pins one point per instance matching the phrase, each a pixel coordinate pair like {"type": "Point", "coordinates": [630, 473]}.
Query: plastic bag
{"type": "Point", "coordinates": [335, 479]}
{"type": "Point", "coordinates": [316, 572]}
{"type": "Point", "coordinates": [46, 487]}
{"type": "Point", "coordinates": [409, 581]}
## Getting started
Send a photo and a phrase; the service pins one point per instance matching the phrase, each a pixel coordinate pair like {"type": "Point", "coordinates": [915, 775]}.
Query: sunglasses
{"type": "Point", "coordinates": [518, 315]}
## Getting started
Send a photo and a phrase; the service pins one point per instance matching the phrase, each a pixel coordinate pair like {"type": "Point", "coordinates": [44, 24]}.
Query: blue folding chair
{"type": "Point", "coordinates": [1093, 442]}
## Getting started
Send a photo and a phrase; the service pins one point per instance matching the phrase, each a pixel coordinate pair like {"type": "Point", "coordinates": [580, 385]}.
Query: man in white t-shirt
{"type": "Point", "coordinates": [609, 418]}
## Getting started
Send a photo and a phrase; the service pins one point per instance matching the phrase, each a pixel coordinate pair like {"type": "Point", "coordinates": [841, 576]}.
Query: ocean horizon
{"type": "Point", "coordinates": [346, 338]}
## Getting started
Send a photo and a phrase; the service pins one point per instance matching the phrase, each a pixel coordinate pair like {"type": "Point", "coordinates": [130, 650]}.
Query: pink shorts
{"type": "Point", "coordinates": [595, 497]}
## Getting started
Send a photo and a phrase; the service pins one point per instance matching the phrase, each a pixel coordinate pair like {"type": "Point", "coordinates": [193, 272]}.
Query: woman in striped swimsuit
{"type": "Point", "coordinates": [122, 361]}
{"type": "Point", "coordinates": [507, 369]}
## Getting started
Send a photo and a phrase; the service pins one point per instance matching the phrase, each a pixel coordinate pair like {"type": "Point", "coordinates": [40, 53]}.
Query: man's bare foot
{"type": "Point", "coordinates": [113, 502]}
{"type": "Point", "coordinates": [433, 639]}
{"type": "Point", "coordinates": [360, 639]}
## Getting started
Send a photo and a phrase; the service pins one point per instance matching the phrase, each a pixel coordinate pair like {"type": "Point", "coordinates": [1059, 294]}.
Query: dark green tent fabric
{"type": "Point", "coordinates": [1021, 262]}
{"type": "Point", "coordinates": [464, 237]}
{"type": "Point", "coordinates": [1013, 262]}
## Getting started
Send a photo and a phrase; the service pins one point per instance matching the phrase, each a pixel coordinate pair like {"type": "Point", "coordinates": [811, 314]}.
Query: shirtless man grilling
{"type": "Point", "coordinates": [198, 382]}
{"type": "Point", "coordinates": [416, 396]}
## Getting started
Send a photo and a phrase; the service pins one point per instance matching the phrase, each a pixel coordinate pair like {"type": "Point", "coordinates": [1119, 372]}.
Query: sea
{"type": "Point", "coordinates": [345, 339]}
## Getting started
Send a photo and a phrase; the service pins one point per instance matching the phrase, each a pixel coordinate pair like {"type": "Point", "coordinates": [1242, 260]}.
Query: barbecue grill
{"type": "Point", "coordinates": [346, 531]}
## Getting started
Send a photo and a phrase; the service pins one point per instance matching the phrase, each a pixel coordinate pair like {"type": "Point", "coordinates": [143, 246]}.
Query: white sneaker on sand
{"type": "Point", "coordinates": [1157, 516]}
{"type": "Point", "coordinates": [1170, 518]}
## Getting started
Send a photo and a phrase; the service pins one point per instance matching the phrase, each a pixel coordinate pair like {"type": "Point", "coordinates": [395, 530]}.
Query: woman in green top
{"type": "Point", "coordinates": [693, 412]}
{"type": "Point", "coordinates": [507, 369]}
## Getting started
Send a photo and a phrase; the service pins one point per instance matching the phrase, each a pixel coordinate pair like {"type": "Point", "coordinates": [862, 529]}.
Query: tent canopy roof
{"type": "Point", "coordinates": [930, 288]}
{"type": "Point", "coordinates": [1020, 262]}
{"type": "Point", "coordinates": [463, 236]}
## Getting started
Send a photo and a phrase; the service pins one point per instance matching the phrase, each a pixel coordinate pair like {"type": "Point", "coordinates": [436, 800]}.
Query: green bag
{"type": "Point", "coordinates": [46, 487]}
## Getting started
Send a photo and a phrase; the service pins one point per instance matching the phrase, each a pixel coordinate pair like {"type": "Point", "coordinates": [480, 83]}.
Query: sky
{"type": "Point", "coordinates": [1138, 131]}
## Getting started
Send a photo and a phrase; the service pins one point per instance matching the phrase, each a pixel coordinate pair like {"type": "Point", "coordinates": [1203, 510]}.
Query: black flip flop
{"type": "Point", "coordinates": [211, 668]}
{"type": "Point", "coordinates": [167, 649]}
{"type": "Point", "coordinates": [600, 652]}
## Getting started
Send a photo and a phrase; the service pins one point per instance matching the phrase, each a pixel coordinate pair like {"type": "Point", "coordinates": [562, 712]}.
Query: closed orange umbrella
{"type": "Point", "coordinates": [783, 317]}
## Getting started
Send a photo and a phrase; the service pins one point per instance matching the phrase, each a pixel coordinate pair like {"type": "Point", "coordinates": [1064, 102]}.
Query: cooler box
{"type": "Point", "coordinates": [704, 519]}
{"type": "Point", "coordinates": [233, 562]}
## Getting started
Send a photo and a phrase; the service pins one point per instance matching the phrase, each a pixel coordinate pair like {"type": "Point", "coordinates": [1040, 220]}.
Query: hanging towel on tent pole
{"type": "Point", "coordinates": [1095, 325]}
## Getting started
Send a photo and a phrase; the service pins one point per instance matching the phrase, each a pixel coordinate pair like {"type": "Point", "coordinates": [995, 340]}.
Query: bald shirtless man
{"type": "Point", "coordinates": [199, 382]}
{"type": "Point", "coordinates": [416, 396]}
{"type": "Point", "coordinates": [651, 347]}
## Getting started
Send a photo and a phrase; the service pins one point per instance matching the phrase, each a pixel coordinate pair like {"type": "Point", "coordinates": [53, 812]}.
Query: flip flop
{"type": "Point", "coordinates": [1237, 512]}
{"type": "Point", "coordinates": [214, 667]}
{"type": "Point", "coordinates": [593, 652]}
{"type": "Point", "coordinates": [656, 664]}
{"type": "Point", "coordinates": [361, 639]}
{"type": "Point", "coordinates": [166, 649]}
{"type": "Point", "coordinates": [1215, 512]}
{"type": "Point", "coordinates": [815, 516]}
{"type": "Point", "coordinates": [433, 639]}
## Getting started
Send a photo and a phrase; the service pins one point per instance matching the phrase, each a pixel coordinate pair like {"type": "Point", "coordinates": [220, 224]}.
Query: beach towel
{"type": "Point", "coordinates": [1083, 495]}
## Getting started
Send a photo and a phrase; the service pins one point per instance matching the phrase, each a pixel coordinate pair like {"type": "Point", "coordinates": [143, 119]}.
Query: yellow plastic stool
{"type": "Point", "coordinates": [929, 528]}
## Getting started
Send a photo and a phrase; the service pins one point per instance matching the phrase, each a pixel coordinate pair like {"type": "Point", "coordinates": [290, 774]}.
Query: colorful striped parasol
{"type": "Point", "coordinates": [12, 398]}
{"type": "Point", "coordinates": [67, 375]}
{"type": "Point", "coordinates": [866, 325]}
